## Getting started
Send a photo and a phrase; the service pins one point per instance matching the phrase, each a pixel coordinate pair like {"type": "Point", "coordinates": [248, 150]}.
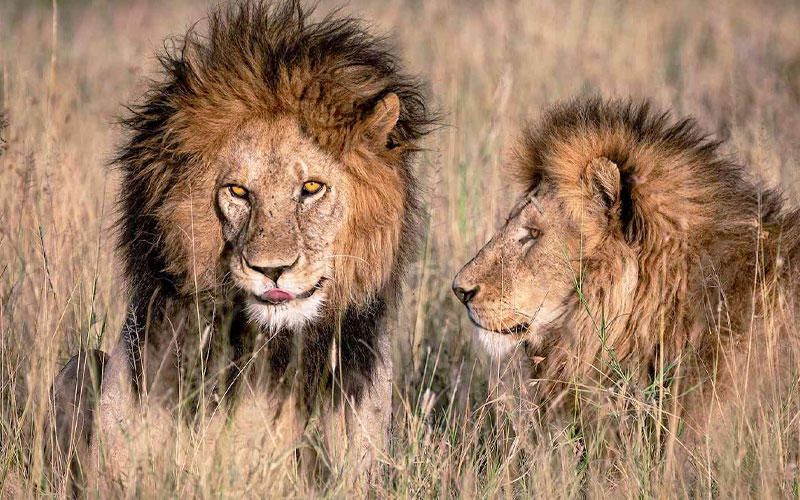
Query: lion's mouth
{"type": "Point", "coordinates": [516, 329]}
{"type": "Point", "coordinates": [286, 298]}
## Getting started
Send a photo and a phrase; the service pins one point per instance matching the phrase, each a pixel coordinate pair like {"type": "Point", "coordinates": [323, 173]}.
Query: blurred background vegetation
{"type": "Point", "coordinates": [491, 65]}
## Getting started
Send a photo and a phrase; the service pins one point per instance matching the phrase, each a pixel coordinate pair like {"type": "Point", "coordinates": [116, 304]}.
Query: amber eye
{"type": "Point", "coordinates": [311, 188]}
{"type": "Point", "coordinates": [237, 191]}
{"type": "Point", "coordinates": [532, 234]}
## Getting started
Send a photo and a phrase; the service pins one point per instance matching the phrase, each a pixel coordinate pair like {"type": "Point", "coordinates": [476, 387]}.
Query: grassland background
{"type": "Point", "coordinates": [491, 65]}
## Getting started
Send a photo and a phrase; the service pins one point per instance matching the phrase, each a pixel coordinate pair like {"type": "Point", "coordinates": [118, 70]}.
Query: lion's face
{"type": "Point", "coordinates": [293, 224]}
{"type": "Point", "coordinates": [281, 202]}
{"type": "Point", "coordinates": [521, 280]}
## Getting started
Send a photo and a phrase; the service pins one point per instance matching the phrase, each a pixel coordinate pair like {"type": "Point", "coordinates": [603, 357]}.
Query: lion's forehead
{"type": "Point", "coordinates": [274, 155]}
{"type": "Point", "coordinates": [533, 210]}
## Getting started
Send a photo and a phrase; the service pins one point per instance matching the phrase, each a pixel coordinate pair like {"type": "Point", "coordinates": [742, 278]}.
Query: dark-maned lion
{"type": "Point", "coordinates": [636, 254]}
{"type": "Point", "coordinates": [268, 211]}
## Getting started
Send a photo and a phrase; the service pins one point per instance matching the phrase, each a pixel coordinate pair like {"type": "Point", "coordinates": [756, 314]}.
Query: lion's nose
{"type": "Point", "coordinates": [272, 272]}
{"type": "Point", "coordinates": [465, 295]}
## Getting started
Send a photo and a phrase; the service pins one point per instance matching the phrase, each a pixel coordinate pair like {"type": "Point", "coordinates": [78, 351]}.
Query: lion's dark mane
{"type": "Point", "coordinates": [269, 58]}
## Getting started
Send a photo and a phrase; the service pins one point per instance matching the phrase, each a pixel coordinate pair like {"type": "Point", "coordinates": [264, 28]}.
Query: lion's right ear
{"type": "Point", "coordinates": [382, 120]}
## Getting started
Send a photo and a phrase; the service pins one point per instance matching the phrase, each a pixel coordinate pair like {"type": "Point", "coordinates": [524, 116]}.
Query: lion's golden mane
{"type": "Point", "coordinates": [710, 249]}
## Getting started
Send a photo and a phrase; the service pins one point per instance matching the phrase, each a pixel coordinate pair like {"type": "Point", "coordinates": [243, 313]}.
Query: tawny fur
{"type": "Point", "coordinates": [265, 60]}
{"type": "Point", "coordinates": [675, 256]}
{"type": "Point", "coordinates": [265, 85]}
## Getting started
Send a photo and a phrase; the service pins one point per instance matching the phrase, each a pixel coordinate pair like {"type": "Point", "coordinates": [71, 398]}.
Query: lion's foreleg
{"type": "Point", "coordinates": [74, 396]}
{"type": "Point", "coordinates": [368, 422]}
{"type": "Point", "coordinates": [127, 431]}
{"type": "Point", "coordinates": [115, 415]}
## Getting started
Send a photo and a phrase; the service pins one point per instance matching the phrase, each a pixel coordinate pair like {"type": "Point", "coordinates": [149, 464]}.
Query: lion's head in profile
{"type": "Point", "coordinates": [523, 282]}
{"type": "Point", "coordinates": [274, 157]}
{"type": "Point", "coordinates": [630, 227]}
{"type": "Point", "coordinates": [609, 188]}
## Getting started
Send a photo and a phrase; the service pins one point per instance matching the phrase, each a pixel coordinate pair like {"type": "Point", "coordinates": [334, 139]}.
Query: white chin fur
{"type": "Point", "coordinates": [292, 315]}
{"type": "Point", "coordinates": [498, 346]}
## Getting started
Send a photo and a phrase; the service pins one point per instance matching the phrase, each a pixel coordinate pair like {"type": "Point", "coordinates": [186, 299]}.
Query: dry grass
{"type": "Point", "coordinates": [733, 65]}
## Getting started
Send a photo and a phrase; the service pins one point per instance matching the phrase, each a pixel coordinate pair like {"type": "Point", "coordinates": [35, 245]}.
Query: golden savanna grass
{"type": "Point", "coordinates": [66, 69]}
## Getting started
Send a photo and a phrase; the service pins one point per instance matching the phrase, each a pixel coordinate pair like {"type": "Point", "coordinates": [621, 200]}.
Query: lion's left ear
{"type": "Point", "coordinates": [602, 180]}
{"type": "Point", "coordinates": [383, 119]}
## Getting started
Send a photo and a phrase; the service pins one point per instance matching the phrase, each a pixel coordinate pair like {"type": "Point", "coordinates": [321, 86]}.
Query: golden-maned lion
{"type": "Point", "coordinates": [268, 211]}
{"type": "Point", "coordinates": [636, 254]}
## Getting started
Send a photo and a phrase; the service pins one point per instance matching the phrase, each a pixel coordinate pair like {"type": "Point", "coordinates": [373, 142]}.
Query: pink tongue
{"type": "Point", "coordinates": [276, 295]}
